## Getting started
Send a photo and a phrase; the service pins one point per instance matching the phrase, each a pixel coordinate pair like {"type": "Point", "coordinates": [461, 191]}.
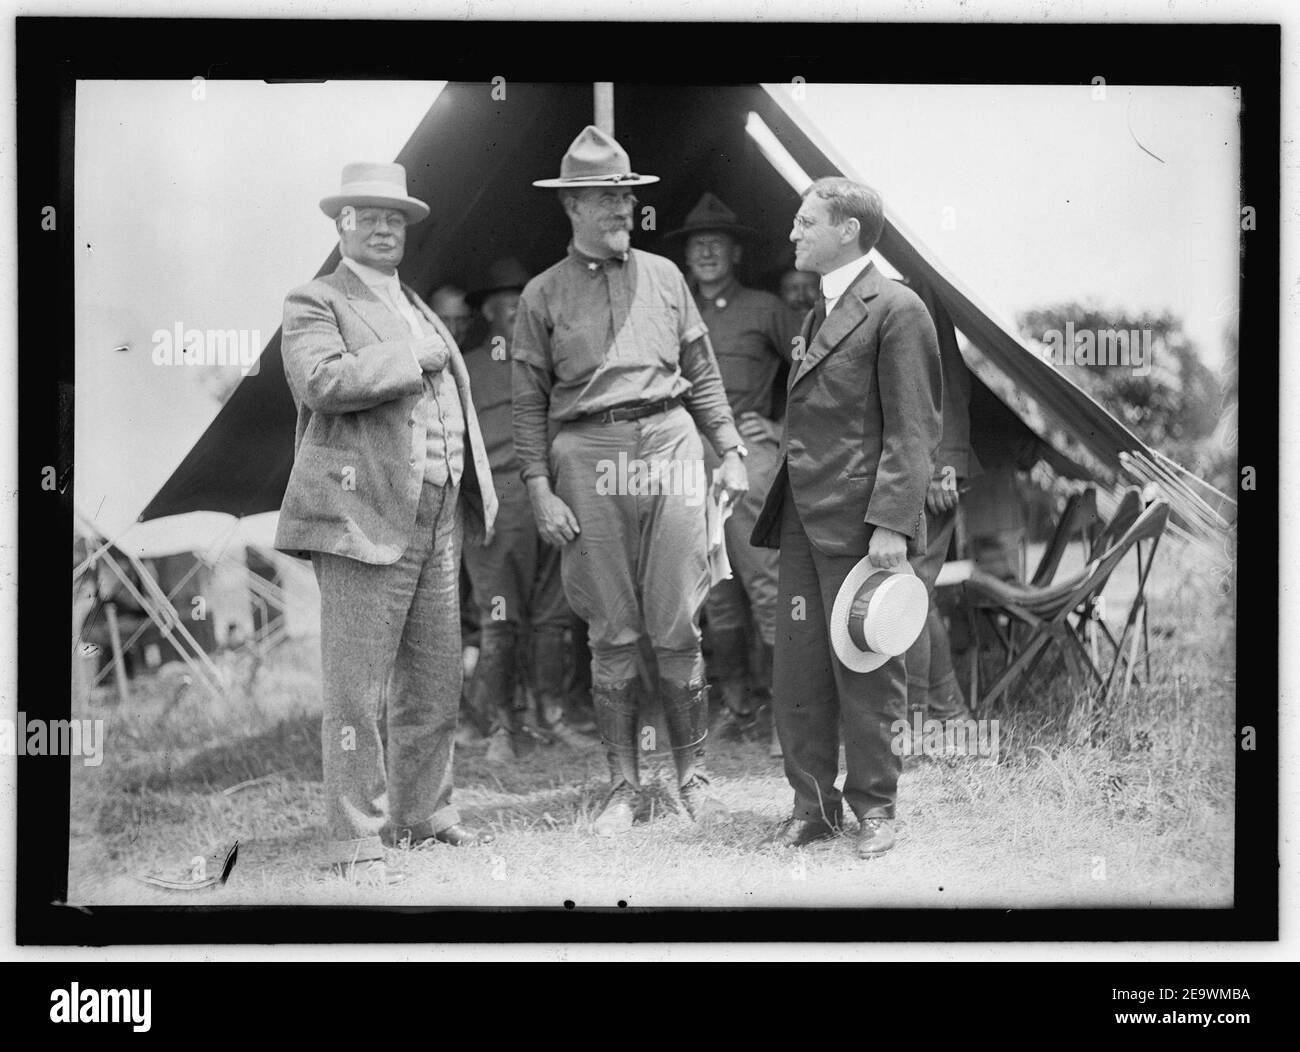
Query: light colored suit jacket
{"type": "Point", "coordinates": [360, 443]}
{"type": "Point", "coordinates": [863, 421]}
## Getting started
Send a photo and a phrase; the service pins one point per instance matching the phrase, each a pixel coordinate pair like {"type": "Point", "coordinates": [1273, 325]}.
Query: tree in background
{"type": "Point", "coordinates": [1174, 408]}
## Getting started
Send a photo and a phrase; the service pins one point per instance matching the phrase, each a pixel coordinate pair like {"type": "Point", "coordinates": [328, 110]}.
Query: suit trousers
{"type": "Point", "coordinates": [931, 683]}
{"type": "Point", "coordinates": [392, 633]}
{"type": "Point", "coordinates": [752, 587]}
{"type": "Point", "coordinates": [815, 699]}
{"type": "Point", "coordinates": [639, 566]}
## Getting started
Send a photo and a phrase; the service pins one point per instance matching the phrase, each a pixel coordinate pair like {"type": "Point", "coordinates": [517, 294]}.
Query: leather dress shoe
{"type": "Point", "coordinates": [369, 873]}
{"type": "Point", "coordinates": [796, 832]}
{"type": "Point", "coordinates": [875, 836]}
{"type": "Point", "coordinates": [462, 836]}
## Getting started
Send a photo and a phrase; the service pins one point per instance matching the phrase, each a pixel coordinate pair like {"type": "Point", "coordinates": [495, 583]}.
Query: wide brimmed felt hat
{"type": "Point", "coordinates": [596, 159]}
{"type": "Point", "coordinates": [504, 275]}
{"type": "Point", "coordinates": [712, 215]}
{"type": "Point", "coordinates": [367, 184]}
{"type": "Point", "coordinates": [878, 614]}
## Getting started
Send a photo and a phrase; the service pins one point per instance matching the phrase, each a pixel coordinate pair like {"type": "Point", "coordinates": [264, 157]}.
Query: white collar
{"type": "Point", "coordinates": [837, 282]}
{"type": "Point", "coordinates": [371, 276]}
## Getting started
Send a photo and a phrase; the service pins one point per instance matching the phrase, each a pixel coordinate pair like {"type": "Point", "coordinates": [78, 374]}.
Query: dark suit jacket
{"type": "Point", "coordinates": [863, 420]}
{"type": "Point", "coordinates": [358, 388]}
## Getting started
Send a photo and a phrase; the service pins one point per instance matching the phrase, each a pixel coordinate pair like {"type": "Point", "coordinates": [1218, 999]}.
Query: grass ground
{"type": "Point", "coordinates": [1127, 807]}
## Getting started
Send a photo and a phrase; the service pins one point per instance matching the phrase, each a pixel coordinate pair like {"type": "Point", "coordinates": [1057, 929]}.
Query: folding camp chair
{"type": "Point", "coordinates": [1078, 517]}
{"type": "Point", "coordinates": [1126, 513]}
{"type": "Point", "coordinates": [1047, 611]}
{"type": "Point", "coordinates": [1079, 514]}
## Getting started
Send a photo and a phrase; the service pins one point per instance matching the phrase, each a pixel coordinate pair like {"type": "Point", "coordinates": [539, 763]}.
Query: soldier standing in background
{"type": "Point", "coordinates": [751, 332]}
{"type": "Point", "coordinates": [515, 580]}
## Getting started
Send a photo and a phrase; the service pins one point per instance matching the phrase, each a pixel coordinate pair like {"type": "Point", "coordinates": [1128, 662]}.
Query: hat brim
{"type": "Point", "coordinates": [578, 184]}
{"type": "Point", "coordinates": [477, 298]}
{"type": "Point", "coordinates": [851, 656]}
{"type": "Point", "coordinates": [736, 230]}
{"type": "Point", "coordinates": [413, 209]}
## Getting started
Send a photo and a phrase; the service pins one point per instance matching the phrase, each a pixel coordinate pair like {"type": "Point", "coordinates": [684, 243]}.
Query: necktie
{"type": "Point", "coordinates": [819, 316]}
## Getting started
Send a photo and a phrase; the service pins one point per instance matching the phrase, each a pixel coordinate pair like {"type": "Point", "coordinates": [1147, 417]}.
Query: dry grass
{"type": "Point", "coordinates": [1131, 806]}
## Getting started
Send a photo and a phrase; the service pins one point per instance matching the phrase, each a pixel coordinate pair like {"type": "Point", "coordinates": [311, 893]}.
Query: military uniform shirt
{"type": "Point", "coordinates": [594, 334]}
{"type": "Point", "coordinates": [749, 328]}
{"type": "Point", "coordinates": [489, 383]}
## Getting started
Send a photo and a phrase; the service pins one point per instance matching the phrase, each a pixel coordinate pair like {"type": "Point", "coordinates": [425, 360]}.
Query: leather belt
{"type": "Point", "coordinates": [628, 412]}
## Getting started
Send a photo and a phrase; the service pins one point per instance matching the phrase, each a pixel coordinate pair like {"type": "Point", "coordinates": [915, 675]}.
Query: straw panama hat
{"type": "Point", "coordinates": [366, 184]}
{"type": "Point", "coordinates": [878, 614]}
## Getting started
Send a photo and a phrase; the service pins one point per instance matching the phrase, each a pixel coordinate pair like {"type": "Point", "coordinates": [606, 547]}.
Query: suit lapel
{"type": "Point", "coordinates": [380, 317]}
{"type": "Point", "coordinates": [850, 312]}
{"type": "Point", "coordinates": [459, 371]}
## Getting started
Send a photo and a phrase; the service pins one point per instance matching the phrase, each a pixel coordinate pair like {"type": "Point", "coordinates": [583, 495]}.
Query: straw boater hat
{"type": "Point", "coordinates": [370, 185]}
{"type": "Point", "coordinates": [877, 615]}
{"type": "Point", "coordinates": [712, 215]}
{"type": "Point", "coordinates": [505, 275]}
{"type": "Point", "coordinates": [596, 159]}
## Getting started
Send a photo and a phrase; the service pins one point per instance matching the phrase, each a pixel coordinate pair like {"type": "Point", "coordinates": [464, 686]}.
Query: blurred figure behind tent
{"type": "Point", "coordinates": [752, 333]}
{"type": "Point", "coordinates": [523, 617]}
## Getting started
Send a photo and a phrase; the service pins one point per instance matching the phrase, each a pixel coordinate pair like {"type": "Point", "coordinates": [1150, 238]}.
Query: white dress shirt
{"type": "Point", "coordinates": [389, 289]}
{"type": "Point", "coordinates": [445, 427]}
{"type": "Point", "coordinates": [837, 282]}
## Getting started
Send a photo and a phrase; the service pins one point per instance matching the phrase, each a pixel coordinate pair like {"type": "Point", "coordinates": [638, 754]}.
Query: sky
{"type": "Point", "coordinates": [1039, 194]}
{"type": "Point", "coordinates": [203, 212]}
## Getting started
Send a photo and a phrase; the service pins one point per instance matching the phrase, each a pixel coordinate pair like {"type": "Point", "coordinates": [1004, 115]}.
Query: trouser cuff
{"type": "Point", "coordinates": [443, 818]}
{"type": "Point", "coordinates": [818, 812]}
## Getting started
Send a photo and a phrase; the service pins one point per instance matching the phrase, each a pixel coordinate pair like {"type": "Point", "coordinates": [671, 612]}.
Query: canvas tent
{"type": "Point", "coordinates": [473, 160]}
{"type": "Point", "coordinates": [179, 586]}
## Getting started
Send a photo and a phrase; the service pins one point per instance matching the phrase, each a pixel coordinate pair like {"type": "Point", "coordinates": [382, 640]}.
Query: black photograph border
{"type": "Point", "coordinates": [54, 53]}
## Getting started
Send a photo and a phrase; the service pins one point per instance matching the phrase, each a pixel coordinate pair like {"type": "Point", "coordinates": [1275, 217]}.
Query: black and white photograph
{"type": "Point", "coordinates": [790, 485]}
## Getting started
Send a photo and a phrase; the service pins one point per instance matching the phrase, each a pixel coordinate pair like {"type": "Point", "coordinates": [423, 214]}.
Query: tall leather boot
{"type": "Point", "coordinates": [729, 665]}
{"type": "Point", "coordinates": [616, 715]}
{"type": "Point", "coordinates": [494, 689]}
{"type": "Point", "coordinates": [549, 686]}
{"type": "Point", "coordinates": [686, 711]}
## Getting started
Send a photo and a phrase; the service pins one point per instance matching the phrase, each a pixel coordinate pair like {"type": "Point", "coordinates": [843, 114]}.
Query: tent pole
{"type": "Point", "coordinates": [603, 99]}
{"type": "Point", "coordinates": [161, 612]}
{"type": "Point", "coordinates": [119, 665]}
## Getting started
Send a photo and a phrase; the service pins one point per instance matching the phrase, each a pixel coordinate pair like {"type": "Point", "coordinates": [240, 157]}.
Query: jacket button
{"type": "Point", "coordinates": [411, 462]}
{"type": "Point", "coordinates": [411, 422]}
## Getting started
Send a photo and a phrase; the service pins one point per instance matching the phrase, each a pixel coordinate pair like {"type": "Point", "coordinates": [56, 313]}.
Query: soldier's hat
{"type": "Point", "coordinates": [712, 215]}
{"type": "Point", "coordinates": [596, 159]}
{"type": "Point", "coordinates": [504, 275]}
